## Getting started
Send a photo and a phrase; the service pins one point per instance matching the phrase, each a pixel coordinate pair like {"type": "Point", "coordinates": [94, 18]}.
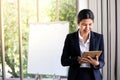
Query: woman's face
{"type": "Point", "coordinates": [85, 26]}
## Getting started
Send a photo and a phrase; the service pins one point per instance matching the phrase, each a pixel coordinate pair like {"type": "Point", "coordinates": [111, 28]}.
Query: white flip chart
{"type": "Point", "coordinates": [46, 42]}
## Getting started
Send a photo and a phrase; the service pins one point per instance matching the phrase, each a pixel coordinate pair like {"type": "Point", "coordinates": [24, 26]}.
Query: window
{"type": "Point", "coordinates": [16, 15]}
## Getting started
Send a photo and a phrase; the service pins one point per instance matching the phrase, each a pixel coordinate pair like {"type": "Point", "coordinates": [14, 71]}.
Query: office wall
{"type": "Point", "coordinates": [82, 4]}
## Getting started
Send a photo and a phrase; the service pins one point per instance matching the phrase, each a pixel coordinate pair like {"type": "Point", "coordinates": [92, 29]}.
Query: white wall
{"type": "Point", "coordinates": [83, 4]}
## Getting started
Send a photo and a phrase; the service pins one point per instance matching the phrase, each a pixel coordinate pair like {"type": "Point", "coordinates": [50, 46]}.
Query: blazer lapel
{"type": "Point", "coordinates": [92, 42]}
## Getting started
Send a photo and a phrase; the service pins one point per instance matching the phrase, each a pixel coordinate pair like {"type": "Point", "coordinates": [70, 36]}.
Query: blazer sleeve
{"type": "Point", "coordinates": [101, 58]}
{"type": "Point", "coordinates": [66, 58]}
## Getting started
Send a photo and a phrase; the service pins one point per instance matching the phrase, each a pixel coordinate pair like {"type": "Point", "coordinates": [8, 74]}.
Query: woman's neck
{"type": "Point", "coordinates": [84, 36]}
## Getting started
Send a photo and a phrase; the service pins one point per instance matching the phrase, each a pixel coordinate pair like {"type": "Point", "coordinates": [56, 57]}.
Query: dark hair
{"type": "Point", "coordinates": [85, 14]}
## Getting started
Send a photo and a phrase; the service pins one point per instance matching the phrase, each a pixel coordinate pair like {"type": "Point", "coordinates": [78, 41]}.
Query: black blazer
{"type": "Point", "coordinates": [71, 51]}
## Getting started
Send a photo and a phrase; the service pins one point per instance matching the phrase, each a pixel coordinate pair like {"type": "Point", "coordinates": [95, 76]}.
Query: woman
{"type": "Point", "coordinates": [84, 39]}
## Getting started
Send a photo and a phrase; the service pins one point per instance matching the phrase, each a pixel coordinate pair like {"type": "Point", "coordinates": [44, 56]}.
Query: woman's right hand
{"type": "Point", "coordinates": [82, 60]}
{"type": "Point", "coordinates": [79, 59]}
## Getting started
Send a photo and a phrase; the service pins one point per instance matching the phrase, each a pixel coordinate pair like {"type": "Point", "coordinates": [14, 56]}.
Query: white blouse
{"type": "Point", "coordinates": [84, 47]}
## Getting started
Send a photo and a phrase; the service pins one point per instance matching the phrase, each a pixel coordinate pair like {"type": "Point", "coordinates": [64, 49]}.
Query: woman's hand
{"type": "Point", "coordinates": [94, 62]}
{"type": "Point", "coordinates": [82, 60]}
{"type": "Point", "coordinates": [90, 60]}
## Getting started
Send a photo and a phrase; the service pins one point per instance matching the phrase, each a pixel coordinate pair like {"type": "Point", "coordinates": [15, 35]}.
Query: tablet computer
{"type": "Point", "coordinates": [93, 54]}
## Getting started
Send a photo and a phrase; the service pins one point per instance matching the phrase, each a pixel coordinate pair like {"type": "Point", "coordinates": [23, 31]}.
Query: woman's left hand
{"type": "Point", "coordinates": [94, 62]}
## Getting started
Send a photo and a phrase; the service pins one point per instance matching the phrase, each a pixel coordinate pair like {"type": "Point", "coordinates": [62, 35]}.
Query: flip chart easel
{"type": "Point", "coordinates": [46, 42]}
